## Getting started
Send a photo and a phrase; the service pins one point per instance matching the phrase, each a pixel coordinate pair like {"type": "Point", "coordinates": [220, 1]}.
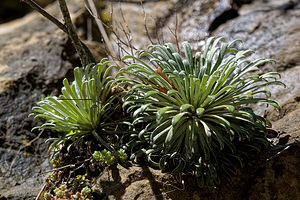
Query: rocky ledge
{"type": "Point", "coordinates": [35, 56]}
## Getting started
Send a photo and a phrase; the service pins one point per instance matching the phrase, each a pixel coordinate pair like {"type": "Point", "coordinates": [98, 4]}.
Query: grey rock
{"type": "Point", "coordinates": [272, 30]}
{"type": "Point", "coordinates": [34, 57]}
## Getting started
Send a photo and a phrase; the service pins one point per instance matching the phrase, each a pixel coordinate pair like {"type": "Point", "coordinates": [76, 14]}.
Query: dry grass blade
{"type": "Point", "coordinates": [93, 11]}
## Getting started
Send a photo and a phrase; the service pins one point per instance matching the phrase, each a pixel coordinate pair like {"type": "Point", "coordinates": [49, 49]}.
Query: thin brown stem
{"type": "Point", "coordinates": [81, 51]}
{"type": "Point", "coordinates": [119, 37]}
{"type": "Point", "coordinates": [41, 192]}
{"type": "Point", "coordinates": [66, 166]}
{"type": "Point", "coordinates": [88, 57]}
{"type": "Point", "coordinates": [132, 1]}
{"type": "Point", "coordinates": [127, 33]}
{"type": "Point", "coordinates": [93, 11]}
{"type": "Point", "coordinates": [175, 33]}
{"type": "Point", "coordinates": [50, 17]}
{"type": "Point", "coordinates": [176, 30]}
{"type": "Point", "coordinates": [145, 23]}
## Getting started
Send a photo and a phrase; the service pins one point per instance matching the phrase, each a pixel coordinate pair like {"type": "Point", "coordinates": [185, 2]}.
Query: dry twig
{"type": "Point", "coordinates": [175, 34]}
{"type": "Point", "coordinates": [50, 17]}
{"type": "Point", "coordinates": [41, 192]}
{"type": "Point", "coordinates": [84, 53]}
{"type": "Point", "coordinates": [127, 33]}
{"type": "Point", "coordinates": [93, 11]}
{"type": "Point", "coordinates": [145, 23]}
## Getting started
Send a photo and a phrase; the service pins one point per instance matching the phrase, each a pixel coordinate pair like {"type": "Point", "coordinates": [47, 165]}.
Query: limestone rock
{"type": "Point", "coordinates": [118, 182]}
{"type": "Point", "coordinates": [133, 17]}
{"type": "Point", "coordinates": [271, 175]}
{"type": "Point", "coordinates": [35, 56]}
{"type": "Point", "coordinates": [194, 20]}
{"type": "Point", "coordinates": [272, 30]}
{"type": "Point", "coordinates": [290, 77]}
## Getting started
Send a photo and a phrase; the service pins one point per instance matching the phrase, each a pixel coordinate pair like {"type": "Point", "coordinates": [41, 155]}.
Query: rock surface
{"type": "Point", "coordinates": [35, 56]}
{"type": "Point", "coordinates": [273, 175]}
{"type": "Point", "coordinates": [128, 21]}
{"type": "Point", "coordinates": [11, 9]}
{"type": "Point", "coordinates": [272, 29]}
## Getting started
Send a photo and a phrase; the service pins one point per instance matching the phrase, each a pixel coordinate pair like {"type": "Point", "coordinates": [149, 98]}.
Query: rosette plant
{"type": "Point", "coordinates": [85, 108]}
{"type": "Point", "coordinates": [192, 110]}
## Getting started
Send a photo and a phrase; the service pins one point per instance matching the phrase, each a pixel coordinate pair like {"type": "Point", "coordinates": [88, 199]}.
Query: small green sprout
{"type": "Point", "coordinates": [86, 191]}
{"type": "Point", "coordinates": [51, 177]}
{"type": "Point", "coordinates": [75, 196]}
{"type": "Point", "coordinates": [63, 187]}
{"type": "Point", "coordinates": [47, 195]}
{"type": "Point", "coordinates": [108, 158]}
{"type": "Point", "coordinates": [59, 192]}
{"type": "Point", "coordinates": [105, 157]}
{"type": "Point", "coordinates": [122, 155]}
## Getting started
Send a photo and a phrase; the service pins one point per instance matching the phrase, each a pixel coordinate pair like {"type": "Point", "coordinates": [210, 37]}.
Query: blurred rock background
{"type": "Point", "coordinates": [35, 56]}
{"type": "Point", "coordinates": [12, 9]}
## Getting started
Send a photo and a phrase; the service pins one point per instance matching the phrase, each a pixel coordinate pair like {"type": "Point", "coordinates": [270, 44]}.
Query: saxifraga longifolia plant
{"type": "Point", "coordinates": [87, 107]}
{"type": "Point", "coordinates": [192, 110]}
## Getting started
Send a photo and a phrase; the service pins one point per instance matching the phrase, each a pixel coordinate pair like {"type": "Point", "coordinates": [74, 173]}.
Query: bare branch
{"type": "Point", "coordinates": [127, 34]}
{"type": "Point", "coordinates": [41, 192]}
{"type": "Point", "coordinates": [63, 27]}
{"type": "Point", "coordinates": [133, 1]}
{"type": "Point", "coordinates": [50, 17]}
{"type": "Point", "coordinates": [93, 11]}
{"type": "Point", "coordinates": [120, 39]}
{"type": "Point", "coordinates": [145, 23]}
{"type": "Point", "coordinates": [119, 43]}
{"type": "Point", "coordinates": [81, 51]}
{"type": "Point", "coordinates": [175, 33]}
{"type": "Point", "coordinates": [124, 40]}
{"type": "Point", "coordinates": [176, 30]}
